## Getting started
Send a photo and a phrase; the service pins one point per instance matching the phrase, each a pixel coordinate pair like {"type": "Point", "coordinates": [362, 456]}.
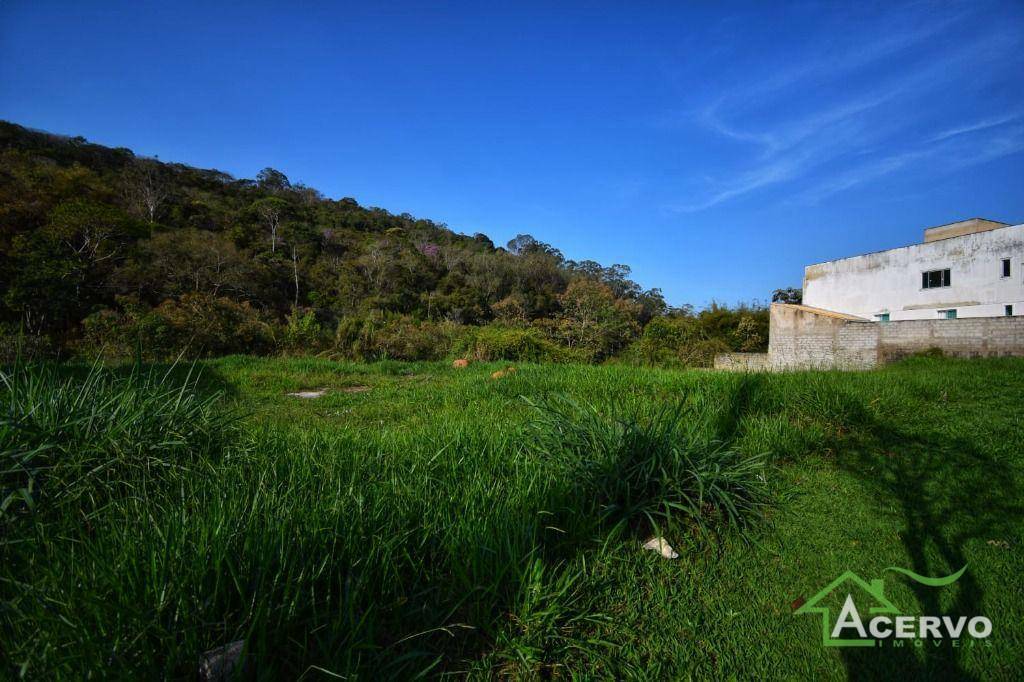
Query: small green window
{"type": "Point", "coordinates": [882, 317]}
{"type": "Point", "coordinates": [948, 314]}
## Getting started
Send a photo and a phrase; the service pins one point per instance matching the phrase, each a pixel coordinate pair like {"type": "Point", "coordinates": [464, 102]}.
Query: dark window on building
{"type": "Point", "coordinates": [935, 278]}
{"type": "Point", "coordinates": [1008, 310]}
{"type": "Point", "coordinates": [1006, 267]}
{"type": "Point", "coordinates": [949, 314]}
{"type": "Point", "coordinates": [882, 317]}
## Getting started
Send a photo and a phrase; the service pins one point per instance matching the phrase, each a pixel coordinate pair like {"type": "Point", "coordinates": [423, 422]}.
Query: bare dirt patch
{"type": "Point", "coordinates": [308, 395]}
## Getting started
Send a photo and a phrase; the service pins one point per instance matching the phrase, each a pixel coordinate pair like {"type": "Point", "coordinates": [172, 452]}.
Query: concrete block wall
{"type": "Point", "coordinates": [967, 337]}
{"type": "Point", "coordinates": [741, 362]}
{"type": "Point", "coordinates": [805, 338]}
{"type": "Point", "coordinates": [857, 345]}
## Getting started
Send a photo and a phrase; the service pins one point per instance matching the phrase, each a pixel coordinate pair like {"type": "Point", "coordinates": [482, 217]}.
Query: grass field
{"type": "Point", "coordinates": [422, 520]}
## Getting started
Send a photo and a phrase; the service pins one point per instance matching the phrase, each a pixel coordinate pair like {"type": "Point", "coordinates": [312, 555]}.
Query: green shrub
{"type": "Point", "coordinates": [16, 343]}
{"type": "Point", "coordinates": [209, 326]}
{"type": "Point", "coordinates": [676, 341]}
{"type": "Point", "coordinates": [751, 335]}
{"type": "Point", "coordinates": [122, 333]}
{"type": "Point", "coordinates": [196, 325]}
{"type": "Point", "coordinates": [495, 342]}
{"type": "Point", "coordinates": [301, 333]}
{"type": "Point", "coordinates": [744, 327]}
{"type": "Point", "coordinates": [394, 337]}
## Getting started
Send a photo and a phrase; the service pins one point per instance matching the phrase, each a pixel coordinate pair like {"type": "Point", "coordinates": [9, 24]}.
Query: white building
{"type": "Point", "coordinates": [973, 268]}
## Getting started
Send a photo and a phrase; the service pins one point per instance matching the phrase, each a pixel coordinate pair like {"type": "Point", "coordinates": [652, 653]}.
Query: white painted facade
{"type": "Point", "coordinates": [888, 284]}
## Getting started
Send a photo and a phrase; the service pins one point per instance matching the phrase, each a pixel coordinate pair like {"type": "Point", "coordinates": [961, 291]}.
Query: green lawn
{"type": "Point", "coordinates": [423, 519]}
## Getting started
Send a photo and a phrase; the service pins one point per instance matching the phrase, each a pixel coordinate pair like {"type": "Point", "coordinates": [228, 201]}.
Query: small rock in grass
{"type": "Point", "coordinates": [499, 374]}
{"type": "Point", "coordinates": [318, 393]}
{"type": "Point", "coordinates": [661, 546]}
{"type": "Point", "coordinates": [461, 363]}
{"type": "Point", "coordinates": [220, 663]}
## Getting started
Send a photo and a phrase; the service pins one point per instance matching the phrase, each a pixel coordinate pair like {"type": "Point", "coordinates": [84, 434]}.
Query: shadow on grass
{"type": "Point", "coordinates": [948, 493]}
{"type": "Point", "coordinates": [947, 490]}
{"type": "Point", "coordinates": [204, 378]}
{"type": "Point", "coordinates": [207, 380]}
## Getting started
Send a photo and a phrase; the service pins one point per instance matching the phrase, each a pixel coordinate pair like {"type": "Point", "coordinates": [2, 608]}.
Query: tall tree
{"type": "Point", "coordinates": [788, 295]}
{"type": "Point", "coordinates": [271, 210]}
{"type": "Point", "coordinates": [64, 268]}
{"type": "Point", "coordinates": [145, 188]}
{"type": "Point", "coordinates": [273, 181]}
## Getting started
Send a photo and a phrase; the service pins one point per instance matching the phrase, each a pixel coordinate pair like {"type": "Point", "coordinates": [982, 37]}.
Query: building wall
{"type": "Point", "coordinates": [800, 338]}
{"type": "Point", "coordinates": [963, 227]}
{"type": "Point", "coordinates": [890, 281]}
{"type": "Point", "coordinates": [804, 339]}
{"type": "Point", "coordinates": [741, 362]}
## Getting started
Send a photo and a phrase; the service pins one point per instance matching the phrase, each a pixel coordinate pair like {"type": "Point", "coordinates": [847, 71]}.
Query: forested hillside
{"type": "Point", "coordinates": [105, 252]}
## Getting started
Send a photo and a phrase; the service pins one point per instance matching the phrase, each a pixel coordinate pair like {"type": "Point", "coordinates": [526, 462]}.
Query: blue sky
{"type": "Point", "coordinates": [716, 148]}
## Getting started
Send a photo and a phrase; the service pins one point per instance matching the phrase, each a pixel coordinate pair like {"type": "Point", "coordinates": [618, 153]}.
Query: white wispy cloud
{"type": "Point", "coordinates": [983, 124]}
{"type": "Point", "coordinates": [949, 157]}
{"type": "Point", "coordinates": [861, 54]}
{"type": "Point", "coordinates": [770, 174]}
{"type": "Point", "coordinates": [874, 132]}
{"type": "Point", "coordinates": [861, 174]}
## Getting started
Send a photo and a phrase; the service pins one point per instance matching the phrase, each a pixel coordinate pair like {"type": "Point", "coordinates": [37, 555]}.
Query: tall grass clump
{"type": "Point", "coordinates": [95, 464]}
{"type": "Point", "coordinates": [161, 531]}
{"type": "Point", "coordinates": [652, 466]}
{"type": "Point", "coordinates": [85, 440]}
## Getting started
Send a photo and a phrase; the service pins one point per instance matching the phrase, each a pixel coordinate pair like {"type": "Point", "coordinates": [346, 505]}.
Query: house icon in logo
{"type": "Point", "coordinates": [873, 591]}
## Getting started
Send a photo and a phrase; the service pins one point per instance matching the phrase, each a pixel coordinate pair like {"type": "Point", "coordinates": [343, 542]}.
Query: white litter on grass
{"type": "Point", "coordinates": [319, 393]}
{"type": "Point", "coordinates": [661, 546]}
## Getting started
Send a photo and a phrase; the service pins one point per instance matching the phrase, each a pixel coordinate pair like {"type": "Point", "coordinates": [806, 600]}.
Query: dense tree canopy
{"type": "Point", "coordinates": [96, 242]}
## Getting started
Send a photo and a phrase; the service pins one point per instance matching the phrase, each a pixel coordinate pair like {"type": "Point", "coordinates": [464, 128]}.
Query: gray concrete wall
{"type": "Point", "coordinates": [742, 362]}
{"type": "Point", "coordinates": [802, 338]}
{"type": "Point", "coordinates": [970, 338]}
